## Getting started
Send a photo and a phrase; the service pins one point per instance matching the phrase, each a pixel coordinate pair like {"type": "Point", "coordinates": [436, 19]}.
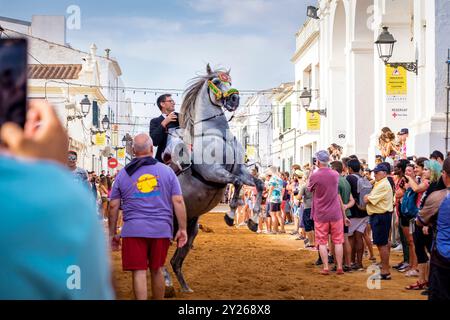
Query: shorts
{"type": "Point", "coordinates": [144, 253]}
{"type": "Point", "coordinates": [422, 244]}
{"type": "Point", "coordinates": [323, 229]}
{"type": "Point", "coordinates": [274, 207]}
{"type": "Point", "coordinates": [268, 210]}
{"type": "Point", "coordinates": [358, 224]}
{"type": "Point", "coordinates": [381, 226]}
{"type": "Point", "coordinates": [404, 222]}
{"type": "Point", "coordinates": [307, 221]}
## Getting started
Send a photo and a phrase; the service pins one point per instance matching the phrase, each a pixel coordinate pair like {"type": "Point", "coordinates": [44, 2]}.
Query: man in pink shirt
{"type": "Point", "coordinates": [327, 210]}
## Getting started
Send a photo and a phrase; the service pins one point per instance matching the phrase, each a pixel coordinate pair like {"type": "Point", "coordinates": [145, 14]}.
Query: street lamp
{"type": "Point", "coordinates": [311, 12]}
{"type": "Point", "coordinates": [385, 45]}
{"type": "Point", "coordinates": [85, 106]}
{"type": "Point", "coordinates": [105, 123]}
{"type": "Point", "coordinates": [305, 100]}
{"type": "Point", "coordinates": [124, 141]}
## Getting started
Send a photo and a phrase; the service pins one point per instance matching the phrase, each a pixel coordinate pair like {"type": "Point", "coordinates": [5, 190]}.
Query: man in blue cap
{"type": "Point", "coordinates": [380, 205]}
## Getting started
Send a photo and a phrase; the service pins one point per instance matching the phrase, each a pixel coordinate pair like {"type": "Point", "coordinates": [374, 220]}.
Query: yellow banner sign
{"type": "Point", "coordinates": [121, 153]}
{"type": "Point", "coordinates": [100, 139]}
{"type": "Point", "coordinates": [396, 81]}
{"type": "Point", "coordinates": [251, 151]}
{"type": "Point", "coordinates": [312, 121]}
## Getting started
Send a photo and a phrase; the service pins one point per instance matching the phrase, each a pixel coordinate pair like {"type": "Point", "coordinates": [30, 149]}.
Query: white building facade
{"type": "Point", "coordinates": [353, 77]}
{"type": "Point", "coordinates": [64, 76]}
{"type": "Point", "coordinates": [307, 75]}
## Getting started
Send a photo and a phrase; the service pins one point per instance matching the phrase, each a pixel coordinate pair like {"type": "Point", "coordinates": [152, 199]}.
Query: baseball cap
{"type": "Point", "coordinates": [323, 156]}
{"type": "Point", "coordinates": [403, 131]}
{"type": "Point", "coordinates": [298, 173]}
{"type": "Point", "coordinates": [381, 167]}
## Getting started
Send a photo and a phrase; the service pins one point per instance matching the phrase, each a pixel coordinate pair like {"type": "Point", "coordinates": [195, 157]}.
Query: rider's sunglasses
{"type": "Point", "coordinates": [71, 157]}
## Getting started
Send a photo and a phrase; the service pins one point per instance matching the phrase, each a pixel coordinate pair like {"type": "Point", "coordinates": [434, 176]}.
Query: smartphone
{"type": "Point", "coordinates": [13, 81]}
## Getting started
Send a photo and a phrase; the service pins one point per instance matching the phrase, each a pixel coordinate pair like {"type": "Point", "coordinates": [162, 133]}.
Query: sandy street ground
{"type": "Point", "coordinates": [232, 263]}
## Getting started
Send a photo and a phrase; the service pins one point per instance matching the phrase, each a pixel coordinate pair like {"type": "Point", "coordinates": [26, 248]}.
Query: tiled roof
{"type": "Point", "coordinates": [54, 71]}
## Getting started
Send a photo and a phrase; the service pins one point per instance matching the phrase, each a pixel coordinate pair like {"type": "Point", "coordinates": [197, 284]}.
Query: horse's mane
{"type": "Point", "coordinates": [187, 112]}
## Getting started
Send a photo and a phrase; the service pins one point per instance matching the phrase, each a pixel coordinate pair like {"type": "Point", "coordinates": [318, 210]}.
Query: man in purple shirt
{"type": "Point", "coordinates": [150, 192]}
{"type": "Point", "coordinates": [327, 211]}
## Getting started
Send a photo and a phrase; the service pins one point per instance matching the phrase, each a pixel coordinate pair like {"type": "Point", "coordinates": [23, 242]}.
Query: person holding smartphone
{"type": "Point", "coordinates": [51, 242]}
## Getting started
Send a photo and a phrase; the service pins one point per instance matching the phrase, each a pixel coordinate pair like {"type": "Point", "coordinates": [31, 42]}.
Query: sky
{"type": "Point", "coordinates": [163, 44]}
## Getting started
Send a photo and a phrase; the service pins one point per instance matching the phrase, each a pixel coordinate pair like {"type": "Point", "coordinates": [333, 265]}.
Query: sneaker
{"type": "Point", "coordinates": [394, 245]}
{"type": "Point", "coordinates": [404, 268]}
{"type": "Point", "coordinates": [293, 233]}
{"type": "Point", "coordinates": [386, 276]}
{"type": "Point", "coordinates": [398, 248]}
{"type": "Point", "coordinates": [330, 259]}
{"type": "Point", "coordinates": [412, 273]}
{"type": "Point", "coordinates": [318, 262]}
{"type": "Point", "coordinates": [306, 242]}
{"type": "Point", "coordinates": [398, 265]}
{"type": "Point", "coordinates": [347, 269]}
{"type": "Point", "coordinates": [359, 267]}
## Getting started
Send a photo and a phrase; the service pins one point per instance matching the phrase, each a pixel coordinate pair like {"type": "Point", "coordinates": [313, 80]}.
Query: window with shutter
{"type": "Point", "coordinates": [287, 116]}
{"type": "Point", "coordinates": [95, 114]}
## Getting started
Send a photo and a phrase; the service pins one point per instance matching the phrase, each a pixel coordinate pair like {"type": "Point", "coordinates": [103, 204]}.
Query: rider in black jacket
{"type": "Point", "coordinates": [159, 126]}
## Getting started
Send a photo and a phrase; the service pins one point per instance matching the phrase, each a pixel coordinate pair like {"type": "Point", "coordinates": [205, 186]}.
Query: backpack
{"type": "Point", "coordinates": [364, 187]}
{"type": "Point", "coordinates": [408, 207]}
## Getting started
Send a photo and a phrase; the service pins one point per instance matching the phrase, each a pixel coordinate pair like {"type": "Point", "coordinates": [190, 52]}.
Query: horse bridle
{"type": "Point", "coordinates": [220, 95]}
{"type": "Point", "coordinates": [213, 117]}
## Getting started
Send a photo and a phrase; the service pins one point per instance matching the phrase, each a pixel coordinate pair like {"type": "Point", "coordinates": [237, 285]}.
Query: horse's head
{"type": "Point", "coordinates": [220, 91]}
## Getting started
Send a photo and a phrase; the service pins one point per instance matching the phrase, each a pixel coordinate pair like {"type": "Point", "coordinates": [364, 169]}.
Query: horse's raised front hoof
{"type": "Point", "coordinates": [169, 292]}
{"type": "Point", "coordinates": [229, 221]}
{"type": "Point", "coordinates": [252, 225]}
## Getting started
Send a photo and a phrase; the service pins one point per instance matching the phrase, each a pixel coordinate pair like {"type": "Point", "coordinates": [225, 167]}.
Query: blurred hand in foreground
{"type": "Point", "coordinates": [43, 137]}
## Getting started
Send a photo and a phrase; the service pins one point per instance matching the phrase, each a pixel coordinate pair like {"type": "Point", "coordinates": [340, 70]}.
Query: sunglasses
{"type": "Point", "coordinates": [72, 158]}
